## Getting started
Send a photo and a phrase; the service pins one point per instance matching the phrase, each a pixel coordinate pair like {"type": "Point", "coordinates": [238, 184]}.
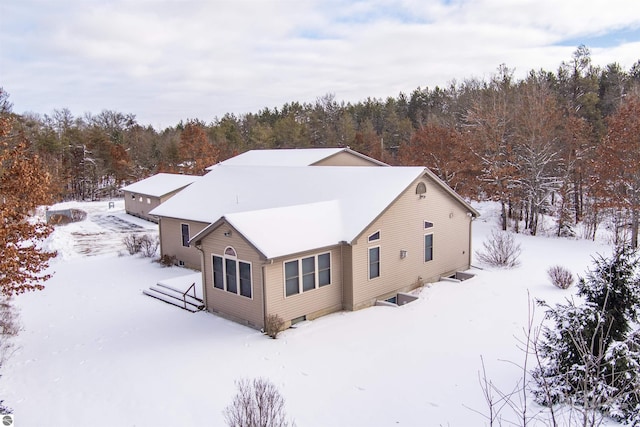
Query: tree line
{"type": "Point", "coordinates": [561, 142]}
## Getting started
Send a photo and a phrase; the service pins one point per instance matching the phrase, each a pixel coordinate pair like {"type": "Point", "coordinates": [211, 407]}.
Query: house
{"type": "Point", "coordinates": [302, 157]}
{"type": "Point", "coordinates": [301, 242]}
{"type": "Point", "coordinates": [143, 196]}
{"type": "Point", "coordinates": [175, 232]}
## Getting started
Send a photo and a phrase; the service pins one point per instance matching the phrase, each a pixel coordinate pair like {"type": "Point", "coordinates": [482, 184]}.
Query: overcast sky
{"type": "Point", "coordinates": [167, 61]}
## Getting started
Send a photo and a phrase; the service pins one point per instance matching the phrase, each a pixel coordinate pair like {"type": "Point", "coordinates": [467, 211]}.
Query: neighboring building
{"type": "Point", "coordinates": [301, 242]}
{"type": "Point", "coordinates": [302, 157]}
{"type": "Point", "coordinates": [143, 196]}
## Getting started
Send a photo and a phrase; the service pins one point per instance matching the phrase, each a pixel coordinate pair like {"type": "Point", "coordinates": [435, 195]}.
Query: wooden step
{"type": "Point", "coordinates": [172, 300]}
{"type": "Point", "coordinates": [179, 291]}
{"type": "Point", "coordinates": [177, 295]}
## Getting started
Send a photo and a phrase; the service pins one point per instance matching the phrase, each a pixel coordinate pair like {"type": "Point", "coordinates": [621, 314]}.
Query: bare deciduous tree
{"type": "Point", "coordinates": [258, 403]}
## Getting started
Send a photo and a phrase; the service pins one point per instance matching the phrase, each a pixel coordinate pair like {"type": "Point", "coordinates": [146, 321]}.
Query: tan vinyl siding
{"type": "Point", "coordinates": [347, 277]}
{"type": "Point", "coordinates": [312, 303]}
{"type": "Point", "coordinates": [236, 307]}
{"type": "Point", "coordinates": [345, 158]}
{"type": "Point", "coordinates": [402, 228]}
{"type": "Point", "coordinates": [133, 205]}
{"type": "Point", "coordinates": [171, 241]}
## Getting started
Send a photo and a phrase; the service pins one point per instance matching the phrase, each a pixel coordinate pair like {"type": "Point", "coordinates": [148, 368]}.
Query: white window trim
{"type": "Point", "coordinates": [300, 274]}
{"type": "Point", "coordinates": [424, 248]}
{"type": "Point", "coordinates": [224, 274]}
{"type": "Point", "coordinates": [370, 240]}
{"type": "Point", "coordinates": [188, 234]}
{"type": "Point", "coordinates": [369, 262]}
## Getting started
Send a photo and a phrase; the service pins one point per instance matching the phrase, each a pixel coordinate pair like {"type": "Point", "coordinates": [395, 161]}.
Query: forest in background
{"type": "Point", "coordinates": [563, 143]}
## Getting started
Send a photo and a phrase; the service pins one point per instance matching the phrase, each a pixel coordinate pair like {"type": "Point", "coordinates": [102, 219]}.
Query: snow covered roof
{"type": "Point", "coordinates": [160, 184]}
{"type": "Point", "coordinates": [289, 157]}
{"type": "Point", "coordinates": [290, 229]}
{"type": "Point", "coordinates": [284, 210]}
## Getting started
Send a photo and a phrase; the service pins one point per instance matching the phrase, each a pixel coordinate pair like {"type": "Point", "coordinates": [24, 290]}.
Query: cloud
{"type": "Point", "coordinates": [169, 60]}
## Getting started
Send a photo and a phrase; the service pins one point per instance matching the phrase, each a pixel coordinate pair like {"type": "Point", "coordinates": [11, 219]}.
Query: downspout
{"type": "Point", "coordinates": [160, 237]}
{"type": "Point", "coordinates": [202, 272]}
{"type": "Point", "coordinates": [264, 301]}
{"type": "Point", "coordinates": [471, 219]}
{"type": "Point", "coordinates": [264, 293]}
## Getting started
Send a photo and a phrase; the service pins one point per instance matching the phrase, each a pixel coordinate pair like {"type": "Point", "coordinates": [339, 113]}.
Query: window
{"type": "Point", "coordinates": [374, 262]}
{"type": "Point", "coordinates": [428, 247]}
{"type": "Point", "coordinates": [228, 273]}
{"type": "Point", "coordinates": [324, 270]}
{"type": "Point", "coordinates": [375, 236]}
{"type": "Point", "coordinates": [184, 228]}
{"type": "Point", "coordinates": [218, 273]}
{"type": "Point", "coordinates": [291, 277]}
{"type": "Point", "coordinates": [133, 196]}
{"type": "Point", "coordinates": [421, 188]}
{"type": "Point", "coordinates": [231, 275]}
{"type": "Point", "coordinates": [245, 279]}
{"type": "Point", "coordinates": [428, 224]}
{"type": "Point", "coordinates": [306, 274]}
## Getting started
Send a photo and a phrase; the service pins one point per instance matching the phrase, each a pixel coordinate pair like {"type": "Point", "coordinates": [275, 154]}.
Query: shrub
{"type": "Point", "coordinates": [132, 243]}
{"type": "Point", "coordinates": [167, 260]}
{"type": "Point", "coordinates": [560, 276]}
{"type": "Point", "coordinates": [9, 327]}
{"type": "Point", "coordinates": [258, 403]}
{"type": "Point", "coordinates": [149, 246]}
{"type": "Point", "coordinates": [500, 250]}
{"type": "Point", "coordinates": [274, 326]}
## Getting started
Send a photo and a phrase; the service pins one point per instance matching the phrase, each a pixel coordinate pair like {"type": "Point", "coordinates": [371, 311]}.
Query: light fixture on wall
{"type": "Point", "coordinates": [403, 254]}
{"type": "Point", "coordinates": [227, 233]}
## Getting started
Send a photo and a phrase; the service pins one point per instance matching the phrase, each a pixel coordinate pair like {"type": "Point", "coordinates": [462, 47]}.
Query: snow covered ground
{"type": "Point", "coordinates": [95, 352]}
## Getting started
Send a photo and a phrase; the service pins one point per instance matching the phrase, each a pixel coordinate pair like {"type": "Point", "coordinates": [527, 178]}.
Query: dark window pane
{"type": "Point", "coordinates": [308, 265]}
{"type": "Point", "coordinates": [308, 281]}
{"type": "Point", "coordinates": [291, 278]}
{"type": "Point", "coordinates": [324, 269]}
{"type": "Point", "coordinates": [324, 261]}
{"type": "Point", "coordinates": [245, 279]}
{"type": "Point", "coordinates": [218, 275]}
{"type": "Point", "coordinates": [374, 254]}
{"type": "Point", "coordinates": [374, 262]}
{"type": "Point", "coordinates": [185, 234]}
{"type": "Point", "coordinates": [324, 277]}
{"type": "Point", "coordinates": [232, 284]}
{"type": "Point", "coordinates": [428, 247]}
{"type": "Point", "coordinates": [375, 236]}
{"type": "Point", "coordinates": [292, 286]}
{"type": "Point", "coordinates": [374, 270]}
{"type": "Point", "coordinates": [291, 269]}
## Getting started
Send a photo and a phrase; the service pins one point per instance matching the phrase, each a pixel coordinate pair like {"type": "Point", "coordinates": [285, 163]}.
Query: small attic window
{"type": "Point", "coordinates": [428, 224]}
{"type": "Point", "coordinates": [421, 188]}
{"type": "Point", "coordinates": [230, 252]}
{"type": "Point", "coordinates": [375, 236]}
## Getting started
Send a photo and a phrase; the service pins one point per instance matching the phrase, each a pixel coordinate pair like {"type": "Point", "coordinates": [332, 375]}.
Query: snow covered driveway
{"type": "Point", "coordinates": [100, 233]}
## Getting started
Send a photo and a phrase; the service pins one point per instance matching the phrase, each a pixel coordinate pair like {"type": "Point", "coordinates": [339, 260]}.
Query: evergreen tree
{"type": "Point", "coordinates": [589, 358]}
